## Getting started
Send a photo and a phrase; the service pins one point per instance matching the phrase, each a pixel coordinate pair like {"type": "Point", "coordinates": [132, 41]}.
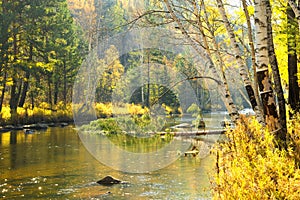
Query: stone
{"type": "Point", "coordinates": [28, 131]}
{"type": "Point", "coordinates": [108, 181]}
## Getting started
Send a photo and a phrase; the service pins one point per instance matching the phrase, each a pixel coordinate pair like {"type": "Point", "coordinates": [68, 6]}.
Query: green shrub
{"type": "Point", "coordinates": [106, 126]}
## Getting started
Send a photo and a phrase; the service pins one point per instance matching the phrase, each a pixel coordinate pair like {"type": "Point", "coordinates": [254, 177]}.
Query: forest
{"type": "Point", "coordinates": [251, 54]}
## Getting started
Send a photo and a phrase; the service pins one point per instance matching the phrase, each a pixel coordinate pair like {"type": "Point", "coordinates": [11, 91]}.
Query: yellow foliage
{"type": "Point", "coordinates": [103, 110]}
{"type": "Point", "coordinates": [168, 109]}
{"type": "Point", "coordinates": [39, 113]}
{"type": "Point", "coordinates": [249, 166]}
{"type": "Point", "coordinates": [5, 113]}
{"type": "Point", "coordinates": [137, 109]}
{"type": "Point", "coordinates": [21, 112]}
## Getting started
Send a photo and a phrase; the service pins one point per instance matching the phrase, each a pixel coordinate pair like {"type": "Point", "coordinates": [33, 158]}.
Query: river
{"type": "Point", "coordinates": [54, 164]}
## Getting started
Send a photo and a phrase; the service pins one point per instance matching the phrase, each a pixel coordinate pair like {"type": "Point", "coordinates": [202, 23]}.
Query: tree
{"type": "Point", "coordinates": [223, 90]}
{"type": "Point", "coordinates": [201, 28]}
{"type": "Point", "coordinates": [111, 76]}
{"type": "Point", "coordinates": [292, 32]}
{"type": "Point", "coordinates": [84, 12]}
{"type": "Point", "coordinates": [265, 87]}
{"type": "Point", "coordinates": [242, 67]}
{"type": "Point", "coordinates": [39, 48]}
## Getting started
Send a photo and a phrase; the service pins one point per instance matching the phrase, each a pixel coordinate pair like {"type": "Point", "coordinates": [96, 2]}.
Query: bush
{"type": "Point", "coordinates": [249, 166]}
{"type": "Point", "coordinates": [106, 126]}
{"type": "Point", "coordinates": [135, 110]}
{"type": "Point", "coordinates": [103, 110]}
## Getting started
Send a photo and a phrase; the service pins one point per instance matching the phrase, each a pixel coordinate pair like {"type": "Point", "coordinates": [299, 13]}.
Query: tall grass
{"type": "Point", "coordinates": [250, 166]}
{"type": "Point", "coordinates": [40, 113]}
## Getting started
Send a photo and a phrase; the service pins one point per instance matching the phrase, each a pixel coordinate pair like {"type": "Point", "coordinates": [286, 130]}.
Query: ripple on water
{"type": "Point", "coordinates": [66, 191]}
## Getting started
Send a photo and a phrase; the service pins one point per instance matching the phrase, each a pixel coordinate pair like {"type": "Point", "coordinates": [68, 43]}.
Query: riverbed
{"type": "Point", "coordinates": [54, 164]}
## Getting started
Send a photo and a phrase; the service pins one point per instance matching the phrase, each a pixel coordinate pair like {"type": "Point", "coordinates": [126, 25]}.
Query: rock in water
{"type": "Point", "coordinates": [108, 181]}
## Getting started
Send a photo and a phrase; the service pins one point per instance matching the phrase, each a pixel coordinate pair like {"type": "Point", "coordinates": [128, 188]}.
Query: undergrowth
{"type": "Point", "coordinates": [250, 166]}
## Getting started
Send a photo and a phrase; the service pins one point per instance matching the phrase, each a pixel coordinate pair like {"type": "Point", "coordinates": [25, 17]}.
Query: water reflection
{"type": "Point", "coordinates": [55, 165]}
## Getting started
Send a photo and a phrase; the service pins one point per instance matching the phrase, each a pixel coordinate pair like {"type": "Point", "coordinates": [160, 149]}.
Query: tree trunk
{"type": "Point", "coordinates": [3, 90]}
{"type": "Point", "coordinates": [24, 90]}
{"type": "Point", "coordinates": [4, 48]}
{"type": "Point", "coordinates": [242, 67]}
{"type": "Point", "coordinates": [276, 73]}
{"type": "Point", "coordinates": [265, 87]}
{"type": "Point", "coordinates": [26, 81]}
{"type": "Point", "coordinates": [49, 91]}
{"type": "Point", "coordinates": [13, 102]}
{"type": "Point", "coordinates": [296, 10]}
{"type": "Point", "coordinates": [14, 95]}
{"type": "Point", "coordinates": [229, 102]}
{"type": "Point", "coordinates": [292, 32]}
{"type": "Point", "coordinates": [56, 91]}
{"type": "Point", "coordinates": [32, 100]}
{"type": "Point", "coordinates": [65, 83]}
{"type": "Point", "coordinates": [253, 58]}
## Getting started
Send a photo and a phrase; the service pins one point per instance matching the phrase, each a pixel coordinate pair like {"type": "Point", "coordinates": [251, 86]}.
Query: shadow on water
{"type": "Point", "coordinates": [54, 164]}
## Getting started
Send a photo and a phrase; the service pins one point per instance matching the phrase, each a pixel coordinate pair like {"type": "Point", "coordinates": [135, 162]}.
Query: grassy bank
{"type": "Point", "coordinates": [61, 113]}
{"type": "Point", "coordinates": [40, 113]}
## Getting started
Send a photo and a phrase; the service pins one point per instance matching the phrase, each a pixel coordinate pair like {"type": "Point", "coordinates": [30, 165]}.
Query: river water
{"type": "Point", "coordinates": [54, 164]}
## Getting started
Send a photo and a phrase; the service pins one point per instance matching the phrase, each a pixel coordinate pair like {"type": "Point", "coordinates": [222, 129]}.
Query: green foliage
{"type": "Point", "coordinates": [41, 50]}
{"type": "Point", "coordinates": [131, 118]}
{"type": "Point", "coordinates": [106, 126]}
{"type": "Point", "coordinates": [140, 145]}
{"type": "Point", "coordinates": [194, 110]}
{"type": "Point", "coordinates": [250, 166]}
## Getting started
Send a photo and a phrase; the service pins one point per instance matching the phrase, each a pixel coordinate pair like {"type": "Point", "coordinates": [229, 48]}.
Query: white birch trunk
{"type": "Point", "coordinates": [242, 67]}
{"type": "Point", "coordinates": [265, 87]}
{"type": "Point", "coordinates": [253, 58]}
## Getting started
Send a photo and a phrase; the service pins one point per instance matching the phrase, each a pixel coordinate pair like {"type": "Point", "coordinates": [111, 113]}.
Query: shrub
{"type": "Point", "coordinates": [294, 137]}
{"type": "Point", "coordinates": [103, 110]}
{"type": "Point", "coordinates": [249, 166]}
{"type": "Point", "coordinates": [107, 126]}
{"type": "Point", "coordinates": [134, 109]}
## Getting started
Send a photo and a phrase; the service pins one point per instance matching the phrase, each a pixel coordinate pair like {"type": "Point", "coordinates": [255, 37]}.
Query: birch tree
{"type": "Point", "coordinates": [242, 67]}
{"type": "Point", "coordinates": [252, 49]}
{"type": "Point", "coordinates": [221, 87]}
{"type": "Point", "coordinates": [265, 86]}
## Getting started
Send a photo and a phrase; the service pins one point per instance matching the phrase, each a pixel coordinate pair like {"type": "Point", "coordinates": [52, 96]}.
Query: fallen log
{"type": "Point", "coordinates": [194, 133]}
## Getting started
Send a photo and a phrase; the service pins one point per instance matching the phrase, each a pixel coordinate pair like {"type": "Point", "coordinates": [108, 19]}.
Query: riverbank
{"type": "Point", "coordinates": [37, 118]}
{"type": "Point", "coordinates": [30, 128]}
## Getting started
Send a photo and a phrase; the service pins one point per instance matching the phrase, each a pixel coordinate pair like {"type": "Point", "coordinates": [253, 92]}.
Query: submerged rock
{"type": "Point", "coordinates": [108, 181]}
{"type": "Point", "coordinates": [63, 124]}
{"type": "Point", "coordinates": [28, 131]}
{"type": "Point", "coordinates": [36, 126]}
